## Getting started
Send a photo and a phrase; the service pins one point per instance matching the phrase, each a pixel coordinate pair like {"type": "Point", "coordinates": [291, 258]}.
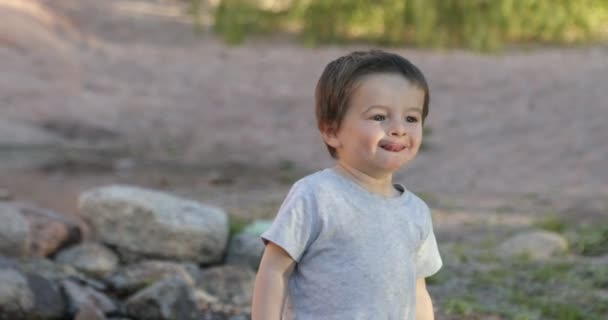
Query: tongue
{"type": "Point", "coordinates": [391, 147]}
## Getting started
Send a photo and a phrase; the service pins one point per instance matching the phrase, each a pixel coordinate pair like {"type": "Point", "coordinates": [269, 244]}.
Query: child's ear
{"type": "Point", "coordinates": [330, 136]}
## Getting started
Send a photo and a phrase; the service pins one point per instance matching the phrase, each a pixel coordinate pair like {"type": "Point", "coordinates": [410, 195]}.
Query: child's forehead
{"type": "Point", "coordinates": [384, 80]}
{"type": "Point", "coordinates": [384, 89]}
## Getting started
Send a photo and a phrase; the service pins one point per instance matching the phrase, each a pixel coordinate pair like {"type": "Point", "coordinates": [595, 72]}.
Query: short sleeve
{"type": "Point", "coordinates": [296, 225]}
{"type": "Point", "coordinates": [428, 260]}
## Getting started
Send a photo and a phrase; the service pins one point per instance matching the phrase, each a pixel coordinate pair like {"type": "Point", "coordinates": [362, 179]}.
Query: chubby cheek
{"type": "Point", "coordinates": [363, 146]}
{"type": "Point", "coordinates": [371, 140]}
{"type": "Point", "coordinates": [417, 138]}
{"type": "Point", "coordinates": [364, 137]}
{"type": "Point", "coordinates": [416, 141]}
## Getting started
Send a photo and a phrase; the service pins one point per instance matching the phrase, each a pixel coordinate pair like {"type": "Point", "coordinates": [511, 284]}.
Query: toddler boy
{"type": "Point", "coordinates": [347, 242]}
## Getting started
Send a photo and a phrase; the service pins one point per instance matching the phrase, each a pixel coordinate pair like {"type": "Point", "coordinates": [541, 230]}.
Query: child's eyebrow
{"type": "Point", "coordinates": [414, 109]}
{"type": "Point", "coordinates": [377, 106]}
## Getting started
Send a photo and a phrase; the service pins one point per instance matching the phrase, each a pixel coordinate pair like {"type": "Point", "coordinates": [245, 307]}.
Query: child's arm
{"type": "Point", "coordinates": [271, 283]}
{"type": "Point", "coordinates": [424, 304]}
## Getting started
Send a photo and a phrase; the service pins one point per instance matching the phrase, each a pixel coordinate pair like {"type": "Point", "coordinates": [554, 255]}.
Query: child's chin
{"type": "Point", "coordinates": [392, 167]}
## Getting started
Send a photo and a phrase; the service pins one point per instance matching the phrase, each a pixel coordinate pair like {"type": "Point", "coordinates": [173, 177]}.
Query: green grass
{"type": "Point", "coordinates": [562, 289]}
{"type": "Point", "coordinates": [461, 306]}
{"type": "Point", "coordinates": [481, 25]}
{"type": "Point", "coordinates": [236, 225]}
{"type": "Point", "coordinates": [597, 276]}
{"type": "Point", "coordinates": [591, 240]}
{"type": "Point", "coordinates": [551, 223]}
{"type": "Point", "coordinates": [586, 240]}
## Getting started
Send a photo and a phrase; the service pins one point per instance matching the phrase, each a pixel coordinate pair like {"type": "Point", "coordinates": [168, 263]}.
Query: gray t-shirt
{"type": "Point", "coordinates": [358, 254]}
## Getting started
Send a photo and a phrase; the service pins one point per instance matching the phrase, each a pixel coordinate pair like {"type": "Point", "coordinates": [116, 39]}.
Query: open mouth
{"type": "Point", "coordinates": [393, 147]}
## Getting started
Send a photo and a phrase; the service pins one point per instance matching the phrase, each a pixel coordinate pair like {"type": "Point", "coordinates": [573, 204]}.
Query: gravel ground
{"type": "Point", "coordinates": [519, 125]}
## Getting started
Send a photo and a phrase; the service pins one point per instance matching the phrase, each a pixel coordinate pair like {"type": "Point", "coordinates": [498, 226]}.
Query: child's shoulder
{"type": "Point", "coordinates": [315, 179]}
{"type": "Point", "coordinates": [418, 207]}
{"type": "Point", "coordinates": [318, 182]}
{"type": "Point", "coordinates": [418, 201]}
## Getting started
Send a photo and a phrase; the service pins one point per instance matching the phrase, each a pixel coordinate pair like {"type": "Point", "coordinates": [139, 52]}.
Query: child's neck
{"type": "Point", "coordinates": [381, 185]}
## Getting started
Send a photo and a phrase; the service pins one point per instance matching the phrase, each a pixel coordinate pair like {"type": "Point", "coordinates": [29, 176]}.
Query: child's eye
{"type": "Point", "coordinates": [378, 117]}
{"type": "Point", "coordinates": [411, 119]}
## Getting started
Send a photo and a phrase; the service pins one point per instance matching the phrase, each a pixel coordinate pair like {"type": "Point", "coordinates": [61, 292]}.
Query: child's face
{"type": "Point", "coordinates": [382, 129]}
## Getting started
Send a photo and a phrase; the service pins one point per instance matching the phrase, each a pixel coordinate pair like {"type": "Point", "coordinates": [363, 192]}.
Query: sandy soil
{"type": "Point", "coordinates": [524, 130]}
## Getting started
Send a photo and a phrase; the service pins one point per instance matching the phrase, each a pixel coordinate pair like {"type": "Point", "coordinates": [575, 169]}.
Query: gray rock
{"type": "Point", "coordinates": [226, 312]}
{"type": "Point", "coordinates": [156, 225]}
{"type": "Point", "coordinates": [204, 299]}
{"type": "Point", "coordinates": [168, 299]}
{"type": "Point", "coordinates": [8, 263]}
{"type": "Point", "coordinates": [14, 232]}
{"type": "Point", "coordinates": [91, 258]}
{"type": "Point", "coordinates": [56, 272]}
{"type": "Point", "coordinates": [48, 300]}
{"type": "Point", "coordinates": [535, 245]}
{"type": "Point", "coordinates": [89, 312]}
{"type": "Point", "coordinates": [16, 297]}
{"type": "Point", "coordinates": [131, 278]}
{"type": "Point", "coordinates": [49, 230]}
{"type": "Point", "coordinates": [33, 231]}
{"type": "Point", "coordinates": [245, 249]}
{"type": "Point", "coordinates": [233, 285]}
{"type": "Point", "coordinates": [79, 296]}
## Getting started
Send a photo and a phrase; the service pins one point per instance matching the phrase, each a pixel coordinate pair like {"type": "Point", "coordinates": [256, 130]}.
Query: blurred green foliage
{"type": "Point", "coordinates": [591, 241]}
{"type": "Point", "coordinates": [477, 24]}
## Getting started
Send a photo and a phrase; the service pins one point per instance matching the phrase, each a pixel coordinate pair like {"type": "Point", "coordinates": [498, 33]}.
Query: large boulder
{"type": "Point", "coordinates": [152, 224]}
{"type": "Point", "coordinates": [534, 245]}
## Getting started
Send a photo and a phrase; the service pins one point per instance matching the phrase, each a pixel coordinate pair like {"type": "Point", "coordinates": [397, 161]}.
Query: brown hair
{"type": "Point", "coordinates": [338, 82]}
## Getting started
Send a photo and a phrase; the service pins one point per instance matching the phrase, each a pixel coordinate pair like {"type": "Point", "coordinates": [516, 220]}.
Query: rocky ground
{"type": "Point", "coordinates": [123, 91]}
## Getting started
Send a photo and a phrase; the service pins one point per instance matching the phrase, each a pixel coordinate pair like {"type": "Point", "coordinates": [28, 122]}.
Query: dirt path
{"type": "Point", "coordinates": [521, 130]}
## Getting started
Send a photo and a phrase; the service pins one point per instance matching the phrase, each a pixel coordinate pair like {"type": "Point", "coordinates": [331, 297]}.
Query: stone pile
{"type": "Point", "coordinates": [148, 255]}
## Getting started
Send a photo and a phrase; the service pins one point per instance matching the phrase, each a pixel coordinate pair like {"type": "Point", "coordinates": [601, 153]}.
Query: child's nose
{"type": "Point", "coordinates": [397, 128]}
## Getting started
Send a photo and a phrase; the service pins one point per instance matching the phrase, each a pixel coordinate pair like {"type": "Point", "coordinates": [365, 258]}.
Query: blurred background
{"type": "Point", "coordinates": [212, 100]}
